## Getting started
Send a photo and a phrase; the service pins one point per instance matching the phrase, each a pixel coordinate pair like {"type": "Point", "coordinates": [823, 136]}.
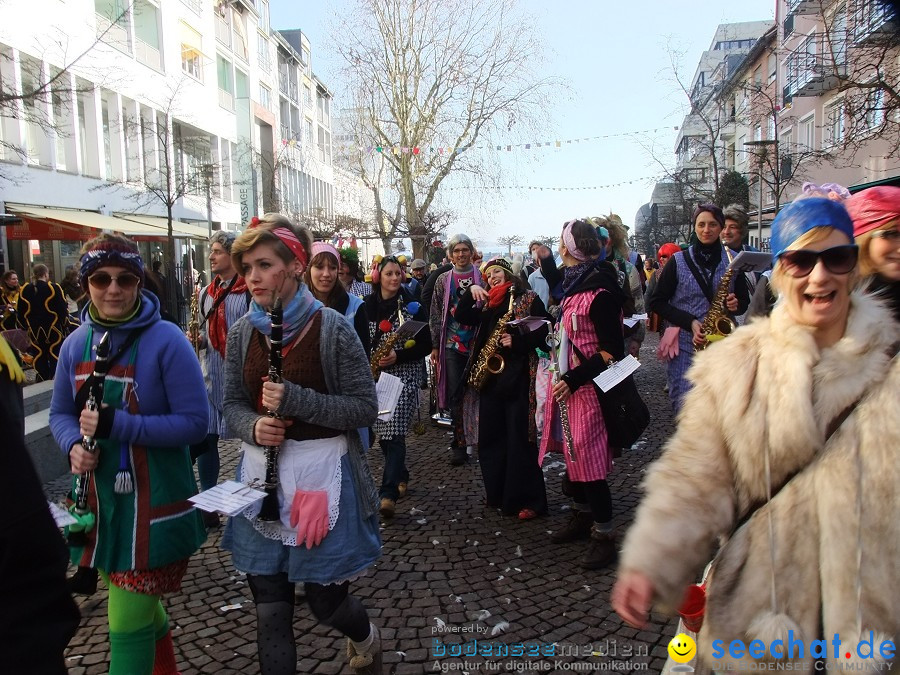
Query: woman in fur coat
{"type": "Point", "coordinates": [808, 518]}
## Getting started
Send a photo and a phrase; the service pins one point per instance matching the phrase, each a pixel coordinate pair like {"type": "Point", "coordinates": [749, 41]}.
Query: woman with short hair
{"type": "Point", "coordinates": [326, 533]}
{"type": "Point", "coordinates": [786, 446]}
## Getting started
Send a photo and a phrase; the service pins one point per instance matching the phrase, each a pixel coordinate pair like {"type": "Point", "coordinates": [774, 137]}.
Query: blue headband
{"type": "Point", "coordinates": [114, 256]}
{"type": "Point", "coordinates": [803, 215]}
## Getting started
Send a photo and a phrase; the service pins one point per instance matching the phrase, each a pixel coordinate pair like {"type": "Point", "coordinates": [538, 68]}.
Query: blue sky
{"type": "Point", "coordinates": [613, 57]}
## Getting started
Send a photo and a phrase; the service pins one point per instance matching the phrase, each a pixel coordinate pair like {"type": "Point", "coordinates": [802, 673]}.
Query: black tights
{"type": "Point", "coordinates": [595, 493]}
{"type": "Point", "coordinates": [274, 598]}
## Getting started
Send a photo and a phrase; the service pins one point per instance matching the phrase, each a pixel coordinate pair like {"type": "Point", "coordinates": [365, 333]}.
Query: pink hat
{"type": "Point", "coordinates": [874, 208]}
{"type": "Point", "coordinates": [322, 247]}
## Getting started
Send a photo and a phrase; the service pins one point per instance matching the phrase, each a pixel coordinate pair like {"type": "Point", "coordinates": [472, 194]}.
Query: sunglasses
{"type": "Point", "coordinates": [837, 260]}
{"type": "Point", "coordinates": [102, 280]}
{"type": "Point", "coordinates": [891, 236]}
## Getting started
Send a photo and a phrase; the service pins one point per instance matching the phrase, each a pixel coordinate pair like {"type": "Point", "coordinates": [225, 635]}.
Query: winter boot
{"type": "Point", "coordinates": [578, 527]}
{"type": "Point", "coordinates": [387, 508]}
{"type": "Point", "coordinates": [601, 550]}
{"type": "Point", "coordinates": [368, 661]}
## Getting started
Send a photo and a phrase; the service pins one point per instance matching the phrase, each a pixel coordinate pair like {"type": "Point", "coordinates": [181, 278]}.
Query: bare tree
{"type": "Point", "coordinates": [432, 73]}
{"type": "Point", "coordinates": [509, 241]}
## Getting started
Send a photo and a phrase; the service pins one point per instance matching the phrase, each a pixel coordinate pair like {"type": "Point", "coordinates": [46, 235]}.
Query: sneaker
{"type": "Point", "coordinates": [527, 514]}
{"type": "Point", "coordinates": [387, 508]}
{"type": "Point", "coordinates": [578, 527]}
{"type": "Point", "coordinates": [369, 661]}
{"type": "Point", "coordinates": [458, 456]}
{"type": "Point", "coordinates": [601, 551]}
{"type": "Point", "coordinates": [401, 490]}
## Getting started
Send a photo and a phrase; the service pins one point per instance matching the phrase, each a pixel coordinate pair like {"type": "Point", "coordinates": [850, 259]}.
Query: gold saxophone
{"type": "Point", "coordinates": [194, 325]}
{"type": "Point", "coordinates": [385, 347]}
{"type": "Point", "coordinates": [717, 324]}
{"type": "Point", "coordinates": [489, 361]}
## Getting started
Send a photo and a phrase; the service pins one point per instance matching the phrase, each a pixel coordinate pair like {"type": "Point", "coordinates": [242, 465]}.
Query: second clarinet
{"type": "Point", "coordinates": [269, 511]}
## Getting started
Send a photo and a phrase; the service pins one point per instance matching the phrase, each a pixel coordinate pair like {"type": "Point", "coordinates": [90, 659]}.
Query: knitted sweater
{"type": "Point", "coordinates": [350, 403]}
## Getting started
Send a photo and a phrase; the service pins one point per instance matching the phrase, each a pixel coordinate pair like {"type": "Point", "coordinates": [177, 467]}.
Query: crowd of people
{"type": "Point", "coordinates": [783, 449]}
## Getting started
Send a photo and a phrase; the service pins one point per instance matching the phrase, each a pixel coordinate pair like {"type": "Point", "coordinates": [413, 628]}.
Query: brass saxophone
{"type": "Point", "coordinates": [489, 361]}
{"type": "Point", "coordinates": [385, 347]}
{"type": "Point", "coordinates": [194, 325]}
{"type": "Point", "coordinates": [717, 324]}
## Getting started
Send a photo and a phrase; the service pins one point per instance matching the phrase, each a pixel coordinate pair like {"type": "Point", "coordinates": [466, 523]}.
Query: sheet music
{"type": "Point", "coordinates": [410, 328]}
{"type": "Point", "coordinates": [60, 515]}
{"type": "Point", "coordinates": [389, 387]}
{"type": "Point", "coordinates": [528, 324]}
{"type": "Point", "coordinates": [634, 319]}
{"type": "Point", "coordinates": [229, 498]}
{"type": "Point", "coordinates": [617, 372]}
{"type": "Point", "coordinates": [751, 261]}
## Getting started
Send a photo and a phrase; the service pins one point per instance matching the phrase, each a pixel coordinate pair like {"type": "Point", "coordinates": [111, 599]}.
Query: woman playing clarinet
{"type": "Point", "coordinates": [507, 446]}
{"type": "Point", "coordinates": [326, 533]}
{"type": "Point", "coordinates": [139, 475]}
{"type": "Point", "coordinates": [386, 307]}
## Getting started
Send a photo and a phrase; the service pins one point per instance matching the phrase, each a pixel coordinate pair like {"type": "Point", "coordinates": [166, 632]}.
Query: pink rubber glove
{"type": "Point", "coordinates": [668, 344]}
{"type": "Point", "coordinates": [309, 514]}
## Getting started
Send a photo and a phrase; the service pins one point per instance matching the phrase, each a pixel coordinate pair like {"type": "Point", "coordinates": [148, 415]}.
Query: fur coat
{"type": "Point", "coordinates": [769, 384]}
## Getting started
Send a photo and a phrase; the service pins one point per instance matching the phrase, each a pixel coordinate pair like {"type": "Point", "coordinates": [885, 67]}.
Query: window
{"type": "Point", "coordinates": [729, 156]}
{"type": "Point", "coordinates": [146, 32]}
{"type": "Point", "coordinates": [839, 37]}
{"type": "Point", "coordinates": [807, 139]}
{"type": "Point", "coordinates": [694, 175]}
{"type": "Point", "coordinates": [308, 131]}
{"type": "Point", "coordinates": [262, 53]}
{"type": "Point", "coordinates": [772, 65]}
{"type": "Point", "coordinates": [239, 42]}
{"type": "Point", "coordinates": [307, 96]}
{"type": "Point", "coordinates": [191, 43]}
{"type": "Point", "coordinates": [265, 97]}
{"type": "Point", "coordinates": [262, 8]}
{"type": "Point", "coordinates": [874, 113]}
{"type": "Point", "coordinates": [834, 124]}
{"type": "Point", "coordinates": [226, 83]}
{"type": "Point", "coordinates": [743, 151]}
{"type": "Point", "coordinates": [757, 133]}
{"type": "Point", "coordinates": [114, 23]}
{"type": "Point", "coordinates": [770, 130]}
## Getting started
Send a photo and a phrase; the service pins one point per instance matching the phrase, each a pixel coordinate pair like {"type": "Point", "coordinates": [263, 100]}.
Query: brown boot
{"type": "Point", "coordinates": [601, 550]}
{"type": "Point", "coordinates": [578, 527]}
{"type": "Point", "coordinates": [369, 661]}
{"type": "Point", "coordinates": [387, 508]}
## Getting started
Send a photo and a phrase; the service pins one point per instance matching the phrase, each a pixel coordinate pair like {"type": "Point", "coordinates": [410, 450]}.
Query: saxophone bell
{"type": "Point", "coordinates": [495, 364]}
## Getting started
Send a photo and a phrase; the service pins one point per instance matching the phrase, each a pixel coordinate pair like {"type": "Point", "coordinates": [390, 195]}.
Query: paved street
{"type": "Point", "coordinates": [449, 564]}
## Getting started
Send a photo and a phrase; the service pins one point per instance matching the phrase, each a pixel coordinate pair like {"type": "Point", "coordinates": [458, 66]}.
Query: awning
{"type": "Point", "coordinates": [70, 224]}
{"type": "Point", "coordinates": [895, 181]}
{"type": "Point", "coordinates": [179, 228]}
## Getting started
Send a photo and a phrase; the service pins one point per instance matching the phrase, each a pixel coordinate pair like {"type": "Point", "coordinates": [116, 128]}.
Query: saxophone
{"type": "Point", "coordinates": [194, 325]}
{"type": "Point", "coordinates": [489, 361]}
{"type": "Point", "coordinates": [717, 324]}
{"type": "Point", "coordinates": [386, 346]}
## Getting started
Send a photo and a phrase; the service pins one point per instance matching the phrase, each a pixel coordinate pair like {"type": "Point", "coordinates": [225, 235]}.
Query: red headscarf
{"type": "Point", "coordinates": [874, 208]}
{"type": "Point", "coordinates": [216, 325]}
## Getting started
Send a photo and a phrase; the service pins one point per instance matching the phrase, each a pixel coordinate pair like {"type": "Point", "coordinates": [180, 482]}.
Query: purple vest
{"type": "Point", "coordinates": [689, 295]}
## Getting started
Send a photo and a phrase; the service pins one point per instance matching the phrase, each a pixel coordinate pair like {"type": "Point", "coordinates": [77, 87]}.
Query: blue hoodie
{"type": "Point", "coordinates": [168, 383]}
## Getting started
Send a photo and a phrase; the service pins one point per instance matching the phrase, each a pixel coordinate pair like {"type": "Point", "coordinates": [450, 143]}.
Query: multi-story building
{"type": "Point", "coordinates": [130, 93]}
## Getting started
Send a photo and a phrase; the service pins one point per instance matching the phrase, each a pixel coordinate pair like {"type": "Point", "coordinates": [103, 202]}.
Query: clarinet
{"type": "Point", "coordinates": [269, 510]}
{"type": "Point", "coordinates": [94, 399]}
{"type": "Point", "coordinates": [553, 343]}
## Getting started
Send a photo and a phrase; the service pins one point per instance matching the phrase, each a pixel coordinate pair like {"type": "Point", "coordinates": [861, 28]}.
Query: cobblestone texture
{"type": "Point", "coordinates": [447, 561]}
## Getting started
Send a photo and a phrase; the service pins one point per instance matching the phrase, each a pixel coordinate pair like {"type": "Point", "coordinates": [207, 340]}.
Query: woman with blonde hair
{"type": "Point", "coordinates": [786, 447]}
{"type": "Point", "coordinates": [326, 533]}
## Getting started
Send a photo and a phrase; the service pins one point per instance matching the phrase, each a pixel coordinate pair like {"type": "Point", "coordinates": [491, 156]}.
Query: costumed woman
{"type": "Point", "coordinates": [404, 359]}
{"type": "Point", "coordinates": [685, 292]}
{"type": "Point", "coordinates": [786, 446]}
{"type": "Point", "coordinates": [322, 279]}
{"type": "Point", "coordinates": [154, 406]}
{"type": "Point", "coordinates": [655, 323]}
{"type": "Point", "coordinates": [507, 436]}
{"type": "Point", "coordinates": [327, 531]}
{"type": "Point", "coordinates": [591, 335]}
{"type": "Point", "coordinates": [876, 226]}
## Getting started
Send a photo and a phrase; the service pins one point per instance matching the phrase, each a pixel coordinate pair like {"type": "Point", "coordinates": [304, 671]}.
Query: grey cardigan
{"type": "Point", "coordinates": [350, 403]}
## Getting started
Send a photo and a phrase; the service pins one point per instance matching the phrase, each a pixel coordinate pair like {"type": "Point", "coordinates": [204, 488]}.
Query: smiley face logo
{"type": "Point", "coordinates": [682, 648]}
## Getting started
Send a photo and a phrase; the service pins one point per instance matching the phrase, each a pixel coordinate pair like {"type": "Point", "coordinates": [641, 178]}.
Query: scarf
{"type": "Point", "coordinates": [708, 255]}
{"type": "Point", "coordinates": [297, 313]}
{"type": "Point", "coordinates": [574, 275]}
{"type": "Point", "coordinates": [498, 294]}
{"type": "Point", "coordinates": [217, 326]}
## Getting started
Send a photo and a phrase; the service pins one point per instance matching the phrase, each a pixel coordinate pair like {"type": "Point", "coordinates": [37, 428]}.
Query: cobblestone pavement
{"type": "Point", "coordinates": [448, 564]}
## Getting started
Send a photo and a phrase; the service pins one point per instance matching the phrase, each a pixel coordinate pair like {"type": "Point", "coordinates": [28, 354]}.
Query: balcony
{"type": "Point", "coordinates": [226, 100]}
{"type": "Point", "coordinates": [873, 22]}
{"type": "Point", "coordinates": [802, 7]}
{"type": "Point", "coordinates": [116, 34]}
{"type": "Point", "coordinates": [788, 26]}
{"type": "Point", "coordinates": [812, 75]}
{"type": "Point", "coordinates": [148, 55]}
{"type": "Point", "coordinates": [265, 62]}
{"type": "Point", "coordinates": [288, 87]}
{"type": "Point", "coordinates": [223, 30]}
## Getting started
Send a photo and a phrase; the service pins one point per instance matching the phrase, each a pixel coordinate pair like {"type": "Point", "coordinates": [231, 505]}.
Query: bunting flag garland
{"type": "Point", "coordinates": [441, 150]}
{"type": "Point", "coordinates": [553, 189]}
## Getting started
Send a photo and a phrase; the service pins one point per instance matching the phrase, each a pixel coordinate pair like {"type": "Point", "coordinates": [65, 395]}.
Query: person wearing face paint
{"type": "Point", "coordinates": [876, 226]}
{"type": "Point", "coordinates": [684, 293]}
{"type": "Point", "coordinates": [327, 531]}
{"type": "Point", "coordinates": [507, 433]}
{"type": "Point", "coordinates": [222, 303]}
{"type": "Point", "coordinates": [153, 406]}
{"type": "Point", "coordinates": [384, 307]}
{"type": "Point", "coordinates": [786, 447]}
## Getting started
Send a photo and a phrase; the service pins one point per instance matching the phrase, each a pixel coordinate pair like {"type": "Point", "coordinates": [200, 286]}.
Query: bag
{"type": "Point", "coordinates": [624, 412]}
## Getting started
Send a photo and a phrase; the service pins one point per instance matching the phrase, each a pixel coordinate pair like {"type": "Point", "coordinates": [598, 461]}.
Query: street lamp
{"type": "Point", "coordinates": [761, 154]}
